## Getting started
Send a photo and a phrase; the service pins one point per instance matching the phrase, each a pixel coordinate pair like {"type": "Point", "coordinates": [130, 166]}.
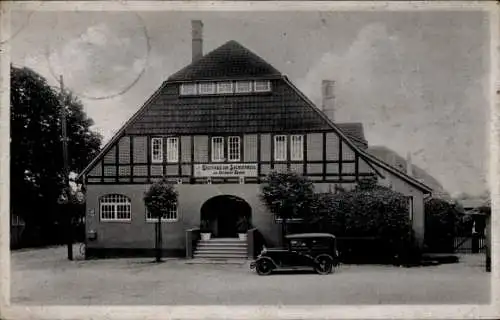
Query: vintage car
{"type": "Point", "coordinates": [305, 250]}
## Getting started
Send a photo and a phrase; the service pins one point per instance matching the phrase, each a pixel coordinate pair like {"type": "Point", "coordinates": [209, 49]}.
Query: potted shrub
{"type": "Point", "coordinates": [205, 230]}
{"type": "Point", "coordinates": [243, 226]}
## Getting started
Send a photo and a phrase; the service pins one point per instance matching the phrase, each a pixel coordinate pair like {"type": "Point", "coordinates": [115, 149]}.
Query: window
{"type": "Point", "coordinates": [233, 146]}
{"type": "Point", "coordinates": [169, 216]}
{"type": "Point", "coordinates": [296, 147]}
{"type": "Point", "coordinates": [188, 89]}
{"type": "Point", "coordinates": [410, 207]}
{"type": "Point", "coordinates": [156, 150]}
{"type": "Point", "coordinates": [262, 86]}
{"type": "Point", "coordinates": [243, 86]}
{"type": "Point", "coordinates": [280, 148]}
{"type": "Point", "coordinates": [115, 207]}
{"type": "Point", "coordinates": [224, 87]}
{"type": "Point", "coordinates": [172, 149]}
{"type": "Point", "coordinates": [206, 88]}
{"type": "Point", "coordinates": [217, 149]}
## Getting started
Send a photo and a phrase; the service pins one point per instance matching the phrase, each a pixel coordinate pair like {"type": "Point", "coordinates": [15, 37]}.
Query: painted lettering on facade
{"type": "Point", "coordinates": [226, 170]}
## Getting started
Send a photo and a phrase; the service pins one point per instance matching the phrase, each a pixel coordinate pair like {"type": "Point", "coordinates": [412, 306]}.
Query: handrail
{"type": "Point", "coordinates": [192, 237]}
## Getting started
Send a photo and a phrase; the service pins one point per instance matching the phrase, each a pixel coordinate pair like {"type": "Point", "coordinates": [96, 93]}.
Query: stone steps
{"type": "Point", "coordinates": [221, 249]}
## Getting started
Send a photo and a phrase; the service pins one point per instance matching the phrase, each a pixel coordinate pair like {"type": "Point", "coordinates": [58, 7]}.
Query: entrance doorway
{"type": "Point", "coordinates": [223, 213]}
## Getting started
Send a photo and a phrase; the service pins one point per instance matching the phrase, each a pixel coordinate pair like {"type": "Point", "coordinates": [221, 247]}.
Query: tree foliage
{"type": "Point", "coordinates": [442, 222]}
{"type": "Point", "coordinates": [159, 198]}
{"type": "Point", "coordinates": [37, 173]}
{"type": "Point", "coordinates": [287, 195]}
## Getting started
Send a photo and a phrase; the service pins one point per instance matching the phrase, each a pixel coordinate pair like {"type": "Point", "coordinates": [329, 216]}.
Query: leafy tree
{"type": "Point", "coordinates": [37, 173]}
{"type": "Point", "coordinates": [442, 221]}
{"type": "Point", "coordinates": [367, 212]}
{"type": "Point", "coordinates": [160, 197]}
{"type": "Point", "coordinates": [287, 195]}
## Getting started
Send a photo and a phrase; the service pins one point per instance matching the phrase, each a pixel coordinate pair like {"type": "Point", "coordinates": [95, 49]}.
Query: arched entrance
{"type": "Point", "coordinates": [223, 212]}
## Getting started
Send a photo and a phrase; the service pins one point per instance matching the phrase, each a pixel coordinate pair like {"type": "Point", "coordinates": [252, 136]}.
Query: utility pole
{"type": "Point", "coordinates": [67, 215]}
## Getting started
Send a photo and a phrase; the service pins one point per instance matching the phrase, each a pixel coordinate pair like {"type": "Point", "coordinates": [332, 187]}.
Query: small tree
{"type": "Point", "coordinates": [442, 221]}
{"type": "Point", "coordinates": [160, 197]}
{"type": "Point", "coordinates": [287, 195]}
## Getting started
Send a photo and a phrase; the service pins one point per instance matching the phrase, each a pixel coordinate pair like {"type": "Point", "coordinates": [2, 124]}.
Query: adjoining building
{"type": "Point", "coordinates": [216, 128]}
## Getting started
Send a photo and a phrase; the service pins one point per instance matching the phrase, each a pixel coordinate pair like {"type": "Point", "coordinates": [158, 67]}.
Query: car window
{"type": "Point", "coordinates": [298, 244]}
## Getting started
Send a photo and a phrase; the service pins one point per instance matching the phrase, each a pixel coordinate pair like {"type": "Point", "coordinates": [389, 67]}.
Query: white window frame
{"type": "Point", "coordinates": [410, 208]}
{"type": "Point", "coordinates": [189, 89]}
{"type": "Point", "coordinates": [220, 87]}
{"type": "Point", "coordinates": [115, 200]}
{"type": "Point", "coordinates": [283, 149]}
{"type": "Point", "coordinates": [172, 149]}
{"type": "Point", "coordinates": [267, 85]}
{"type": "Point", "coordinates": [159, 158]}
{"type": "Point", "coordinates": [205, 85]}
{"type": "Point", "coordinates": [230, 140]}
{"type": "Point", "coordinates": [219, 156]}
{"type": "Point", "coordinates": [297, 147]}
{"type": "Point", "coordinates": [172, 212]}
{"type": "Point", "coordinates": [240, 90]}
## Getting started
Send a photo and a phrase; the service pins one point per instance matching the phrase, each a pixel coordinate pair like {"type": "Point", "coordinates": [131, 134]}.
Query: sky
{"type": "Point", "coordinates": [418, 81]}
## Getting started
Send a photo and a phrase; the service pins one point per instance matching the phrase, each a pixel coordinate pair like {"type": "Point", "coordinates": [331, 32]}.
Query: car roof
{"type": "Point", "coordinates": [310, 235]}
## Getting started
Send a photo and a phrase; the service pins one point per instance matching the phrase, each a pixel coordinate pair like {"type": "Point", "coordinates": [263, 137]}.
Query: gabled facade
{"type": "Point", "coordinates": [216, 128]}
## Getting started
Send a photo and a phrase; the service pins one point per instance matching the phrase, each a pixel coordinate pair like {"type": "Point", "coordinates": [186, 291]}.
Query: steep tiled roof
{"type": "Point", "coordinates": [276, 111]}
{"type": "Point", "coordinates": [355, 132]}
{"type": "Point", "coordinates": [229, 61]}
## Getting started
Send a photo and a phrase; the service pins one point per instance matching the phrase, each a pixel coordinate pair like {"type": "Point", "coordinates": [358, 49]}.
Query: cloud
{"type": "Point", "coordinates": [379, 82]}
{"type": "Point", "coordinates": [99, 60]}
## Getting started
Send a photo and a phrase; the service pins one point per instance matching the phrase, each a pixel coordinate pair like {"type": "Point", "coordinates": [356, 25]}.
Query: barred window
{"type": "Point", "coordinates": [206, 88]}
{"type": "Point", "coordinates": [280, 147]}
{"type": "Point", "coordinates": [172, 149]}
{"type": "Point", "coordinates": [234, 147]}
{"type": "Point", "coordinates": [243, 86]}
{"type": "Point", "coordinates": [217, 149]}
{"type": "Point", "coordinates": [262, 86]}
{"type": "Point", "coordinates": [156, 150]}
{"type": "Point", "coordinates": [115, 207]}
{"type": "Point", "coordinates": [224, 87]}
{"type": "Point", "coordinates": [169, 216]}
{"type": "Point", "coordinates": [188, 89]}
{"type": "Point", "coordinates": [296, 147]}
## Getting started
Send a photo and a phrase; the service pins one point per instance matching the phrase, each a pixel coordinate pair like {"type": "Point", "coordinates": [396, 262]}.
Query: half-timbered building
{"type": "Point", "coordinates": [216, 128]}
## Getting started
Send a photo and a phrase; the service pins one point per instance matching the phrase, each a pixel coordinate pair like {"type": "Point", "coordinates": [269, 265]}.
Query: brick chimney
{"type": "Point", "coordinates": [409, 165]}
{"type": "Point", "coordinates": [197, 38]}
{"type": "Point", "coordinates": [328, 96]}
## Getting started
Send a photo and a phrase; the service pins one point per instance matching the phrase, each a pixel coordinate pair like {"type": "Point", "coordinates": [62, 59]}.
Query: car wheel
{"type": "Point", "coordinates": [324, 265]}
{"type": "Point", "coordinates": [264, 267]}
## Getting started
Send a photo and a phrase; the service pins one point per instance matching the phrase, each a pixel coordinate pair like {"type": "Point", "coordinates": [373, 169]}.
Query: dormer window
{"type": "Point", "coordinates": [225, 87]}
{"type": "Point", "coordinates": [262, 86]}
{"type": "Point", "coordinates": [243, 86]}
{"type": "Point", "coordinates": [206, 88]}
{"type": "Point", "coordinates": [188, 89]}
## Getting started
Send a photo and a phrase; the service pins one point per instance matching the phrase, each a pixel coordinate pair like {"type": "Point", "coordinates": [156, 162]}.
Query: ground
{"type": "Point", "coordinates": [44, 276]}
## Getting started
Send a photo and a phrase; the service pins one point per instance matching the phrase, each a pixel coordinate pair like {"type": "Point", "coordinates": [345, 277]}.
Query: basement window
{"type": "Point", "coordinates": [262, 86]}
